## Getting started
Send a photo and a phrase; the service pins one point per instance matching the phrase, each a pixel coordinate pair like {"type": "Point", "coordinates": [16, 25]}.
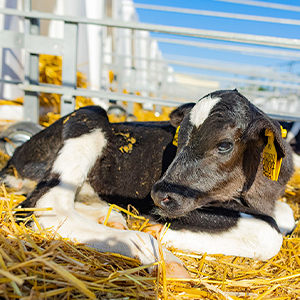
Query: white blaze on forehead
{"type": "Point", "coordinates": [202, 109]}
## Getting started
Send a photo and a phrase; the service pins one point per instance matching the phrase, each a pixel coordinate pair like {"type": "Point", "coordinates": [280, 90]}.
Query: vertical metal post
{"type": "Point", "coordinates": [103, 35]}
{"type": "Point", "coordinates": [31, 70]}
{"type": "Point", "coordinates": [119, 61]}
{"type": "Point", "coordinates": [69, 66]}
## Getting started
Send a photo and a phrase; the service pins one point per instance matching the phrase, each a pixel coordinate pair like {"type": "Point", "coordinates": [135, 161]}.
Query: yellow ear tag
{"type": "Point", "coordinates": [175, 138]}
{"type": "Point", "coordinates": [283, 132]}
{"type": "Point", "coordinates": [271, 165]}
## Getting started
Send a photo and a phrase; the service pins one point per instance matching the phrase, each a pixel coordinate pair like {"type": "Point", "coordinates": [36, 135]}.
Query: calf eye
{"type": "Point", "coordinates": [224, 147]}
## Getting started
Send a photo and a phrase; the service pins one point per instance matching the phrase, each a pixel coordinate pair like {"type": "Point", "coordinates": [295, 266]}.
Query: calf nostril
{"type": "Point", "coordinates": [166, 201]}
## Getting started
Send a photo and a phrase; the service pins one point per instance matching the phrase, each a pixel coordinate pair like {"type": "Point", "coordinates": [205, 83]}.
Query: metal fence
{"type": "Point", "coordinates": [158, 92]}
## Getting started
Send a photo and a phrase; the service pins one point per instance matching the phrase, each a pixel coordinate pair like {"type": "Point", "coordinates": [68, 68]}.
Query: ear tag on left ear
{"type": "Point", "coordinates": [175, 138]}
{"type": "Point", "coordinates": [271, 165]}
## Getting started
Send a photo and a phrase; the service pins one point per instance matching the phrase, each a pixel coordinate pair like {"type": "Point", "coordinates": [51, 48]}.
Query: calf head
{"type": "Point", "coordinates": [219, 157]}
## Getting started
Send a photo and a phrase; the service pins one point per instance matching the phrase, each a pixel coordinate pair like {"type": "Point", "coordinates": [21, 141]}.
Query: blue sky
{"type": "Point", "coordinates": [223, 24]}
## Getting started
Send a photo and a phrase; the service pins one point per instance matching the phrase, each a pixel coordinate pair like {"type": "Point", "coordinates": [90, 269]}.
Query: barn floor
{"type": "Point", "coordinates": [41, 265]}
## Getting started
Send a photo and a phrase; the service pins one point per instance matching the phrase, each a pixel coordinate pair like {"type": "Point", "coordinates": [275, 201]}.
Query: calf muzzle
{"type": "Point", "coordinates": [173, 200]}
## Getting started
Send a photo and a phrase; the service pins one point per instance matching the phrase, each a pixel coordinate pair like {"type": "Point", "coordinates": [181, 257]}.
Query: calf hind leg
{"type": "Point", "coordinates": [21, 186]}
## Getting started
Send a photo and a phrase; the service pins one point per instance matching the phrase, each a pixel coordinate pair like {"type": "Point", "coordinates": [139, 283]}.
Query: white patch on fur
{"type": "Point", "coordinates": [201, 110]}
{"type": "Point", "coordinates": [75, 160]}
{"type": "Point", "coordinates": [24, 186]}
{"type": "Point", "coordinates": [284, 217]}
{"type": "Point", "coordinates": [78, 156]}
{"type": "Point", "coordinates": [251, 237]}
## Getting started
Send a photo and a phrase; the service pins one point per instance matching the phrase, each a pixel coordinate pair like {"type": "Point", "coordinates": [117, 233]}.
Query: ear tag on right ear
{"type": "Point", "coordinates": [175, 138]}
{"type": "Point", "coordinates": [271, 166]}
{"type": "Point", "coordinates": [283, 132]}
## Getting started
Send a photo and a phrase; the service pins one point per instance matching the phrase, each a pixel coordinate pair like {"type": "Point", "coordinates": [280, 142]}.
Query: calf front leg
{"type": "Point", "coordinates": [284, 217]}
{"type": "Point", "coordinates": [249, 237]}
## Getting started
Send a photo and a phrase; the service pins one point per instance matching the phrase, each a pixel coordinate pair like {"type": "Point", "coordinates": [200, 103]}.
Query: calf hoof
{"type": "Point", "coordinates": [173, 270]}
{"type": "Point", "coordinates": [176, 270]}
{"type": "Point", "coordinates": [115, 225]}
{"type": "Point", "coordinates": [154, 230]}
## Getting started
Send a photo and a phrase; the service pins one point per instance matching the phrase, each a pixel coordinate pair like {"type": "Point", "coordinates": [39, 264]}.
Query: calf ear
{"type": "Point", "coordinates": [177, 115]}
{"type": "Point", "coordinates": [257, 128]}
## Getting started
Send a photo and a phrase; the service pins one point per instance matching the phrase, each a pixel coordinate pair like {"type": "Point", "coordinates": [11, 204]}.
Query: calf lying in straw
{"type": "Point", "coordinates": [218, 185]}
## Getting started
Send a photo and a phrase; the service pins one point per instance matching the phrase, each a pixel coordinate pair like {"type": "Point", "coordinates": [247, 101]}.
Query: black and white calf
{"type": "Point", "coordinates": [210, 188]}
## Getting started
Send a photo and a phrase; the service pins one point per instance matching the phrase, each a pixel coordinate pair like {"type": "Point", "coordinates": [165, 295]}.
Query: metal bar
{"type": "Point", "coordinates": [187, 92]}
{"type": "Point", "coordinates": [208, 34]}
{"type": "Point", "coordinates": [112, 95]}
{"type": "Point", "coordinates": [11, 39]}
{"type": "Point", "coordinates": [132, 98]}
{"type": "Point", "coordinates": [264, 4]}
{"type": "Point", "coordinates": [32, 43]}
{"type": "Point", "coordinates": [184, 59]}
{"type": "Point", "coordinates": [31, 107]}
{"type": "Point", "coordinates": [243, 80]}
{"type": "Point", "coordinates": [223, 78]}
{"type": "Point", "coordinates": [99, 94]}
{"type": "Point", "coordinates": [31, 70]}
{"type": "Point", "coordinates": [10, 81]}
{"type": "Point", "coordinates": [283, 117]}
{"type": "Point", "coordinates": [69, 67]}
{"type": "Point", "coordinates": [41, 44]}
{"type": "Point", "coordinates": [254, 51]}
{"type": "Point", "coordinates": [240, 69]}
{"type": "Point", "coordinates": [217, 14]}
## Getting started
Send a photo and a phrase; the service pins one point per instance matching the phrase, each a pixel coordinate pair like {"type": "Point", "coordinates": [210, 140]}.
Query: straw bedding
{"type": "Point", "coordinates": [42, 265]}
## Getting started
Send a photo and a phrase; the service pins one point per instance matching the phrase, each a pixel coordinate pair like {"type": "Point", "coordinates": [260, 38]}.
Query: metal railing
{"type": "Point", "coordinates": [34, 44]}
